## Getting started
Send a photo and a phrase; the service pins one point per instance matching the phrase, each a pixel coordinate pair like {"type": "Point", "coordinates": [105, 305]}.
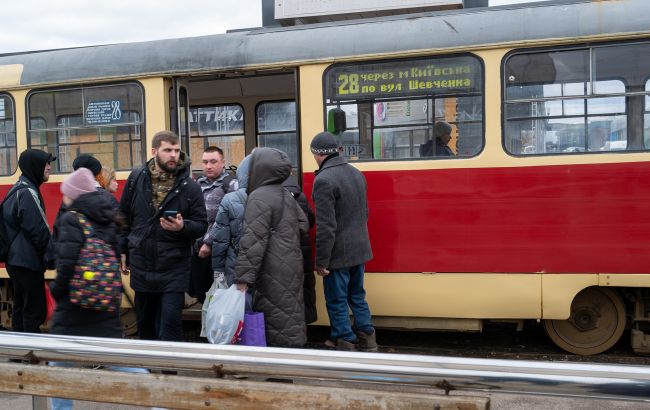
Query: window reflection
{"type": "Point", "coordinates": [8, 159]}
{"type": "Point", "coordinates": [103, 121]}
{"type": "Point", "coordinates": [551, 105]}
{"type": "Point", "coordinates": [276, 128]}
{"type": "Point", "coordinates": [217, 125]}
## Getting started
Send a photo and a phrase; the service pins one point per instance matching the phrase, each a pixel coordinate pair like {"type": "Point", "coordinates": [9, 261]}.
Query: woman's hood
{"type": "Point", "coordinates": [268, 166]}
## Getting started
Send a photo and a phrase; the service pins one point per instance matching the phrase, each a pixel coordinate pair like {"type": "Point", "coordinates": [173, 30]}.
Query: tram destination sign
{"type": "Point", "coordinates": [103, 112]}
{"type": "Point", "coordinates": [396, 79]}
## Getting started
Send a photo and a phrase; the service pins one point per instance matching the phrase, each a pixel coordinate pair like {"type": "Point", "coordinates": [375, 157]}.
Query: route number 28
{"type": "Point", "coordinates": [349, 84]}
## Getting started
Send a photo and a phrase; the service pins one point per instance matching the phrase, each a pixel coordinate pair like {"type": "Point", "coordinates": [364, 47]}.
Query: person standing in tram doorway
{"type": "Point", "coordinates": [165, 212]}
{"type": "Point", "coordinates": [342, 245]}
{"type": "Point", "coordinates": [215, 183]}
{"type": "Point", "coordinates": [28, 235]}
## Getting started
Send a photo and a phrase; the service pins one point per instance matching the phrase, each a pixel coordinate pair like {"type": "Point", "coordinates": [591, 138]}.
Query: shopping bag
{"type": "Point", "coordinates": [225, 318]}
{"type": "Point", "coordinates": [219, 282]}
{"type": "Point", "coordinates": [253, 333]}
{"type": "Point", "coordinates": [50, 303]}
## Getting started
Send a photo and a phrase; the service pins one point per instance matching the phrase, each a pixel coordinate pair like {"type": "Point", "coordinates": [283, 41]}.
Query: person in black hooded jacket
{"type": "Point", "coordinates": [26, 224]}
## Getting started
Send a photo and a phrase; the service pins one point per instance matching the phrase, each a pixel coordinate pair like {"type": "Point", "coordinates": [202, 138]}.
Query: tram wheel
{"type": "Point", "coordinates": [129, 322]}
{"type": "Point", "coordinates": [596, 323]}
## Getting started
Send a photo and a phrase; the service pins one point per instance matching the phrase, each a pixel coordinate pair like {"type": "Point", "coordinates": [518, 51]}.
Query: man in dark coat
{"type": "Point", "coordinates": [25, 223]}
{"type": "Point", "coordinates": [342, 244]}
{"type": "Point", "coordinates": [270, 259]}
{"type": "Point", "coordinates": [158, 247]}
{"type": "Point", "coordinates": [442, 136]}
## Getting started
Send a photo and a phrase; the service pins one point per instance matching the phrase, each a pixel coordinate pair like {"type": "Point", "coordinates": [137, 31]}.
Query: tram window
{"type": "Point", "coordinates": [104, 121]}
{"type": "Point", "coordinates": [391, 107]}
{"type": "Point", "coordinates": [8, 160]}
{"type": "Point", "coordinates": [276, 127]}
{"type": "Point", "coordinates": [219, 125]}
{"type": "Point", "coordinates": [582, 101]}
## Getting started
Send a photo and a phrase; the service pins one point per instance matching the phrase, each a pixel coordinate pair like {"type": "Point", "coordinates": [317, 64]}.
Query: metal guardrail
{"type": "Point", "coordinates": [624, 382]}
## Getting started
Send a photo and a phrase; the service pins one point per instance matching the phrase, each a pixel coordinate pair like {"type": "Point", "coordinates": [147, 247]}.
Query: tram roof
{"type": "Point", "coordinates": [285, 47]}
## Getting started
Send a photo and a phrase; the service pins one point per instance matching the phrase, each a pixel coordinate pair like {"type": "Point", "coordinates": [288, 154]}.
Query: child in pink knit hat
{"type": "Point", "coordinates": [80, 182]}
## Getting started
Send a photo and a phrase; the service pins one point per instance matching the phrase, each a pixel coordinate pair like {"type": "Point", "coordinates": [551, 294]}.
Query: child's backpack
{"type": "Point", "coordinates": [96, 283]}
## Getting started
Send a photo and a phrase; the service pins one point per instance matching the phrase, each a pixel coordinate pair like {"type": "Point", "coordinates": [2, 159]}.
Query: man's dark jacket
{"type": "Point", "coordinates": [160, 259]}
{"type": "Point", "coordinates": [339, 195]}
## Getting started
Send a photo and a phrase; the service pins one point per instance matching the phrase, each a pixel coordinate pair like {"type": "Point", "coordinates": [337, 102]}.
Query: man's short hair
{"type": "Point", "coordinates": [441, 129]}
{"type": "Point", "coordinates": [166, 136]}
{"type": "Point", "coordinates": [213, 148]}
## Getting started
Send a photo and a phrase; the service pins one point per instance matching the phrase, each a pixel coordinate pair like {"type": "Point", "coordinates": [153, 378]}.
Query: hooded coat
{"type": "Point", "coordinates": [270, 259]}
{"type": "Point", "coordinates": [69, 319]}
{"type": "Point", "coordinates": [160, 259]}
{"type": "Point", "coordinates": [24, 213]}
{"type": "Point", "coordinates": [227, 228]}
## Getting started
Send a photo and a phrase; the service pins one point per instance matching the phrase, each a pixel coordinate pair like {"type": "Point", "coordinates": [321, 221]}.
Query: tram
{"type": "Point", "coordinates": [542, 213]}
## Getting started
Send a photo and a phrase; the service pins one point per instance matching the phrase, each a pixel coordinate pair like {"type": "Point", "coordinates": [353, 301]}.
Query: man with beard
{"type": "Point", "coordinates": [165, 213]}
{"type": "Point", "coordinates": [23, 212]}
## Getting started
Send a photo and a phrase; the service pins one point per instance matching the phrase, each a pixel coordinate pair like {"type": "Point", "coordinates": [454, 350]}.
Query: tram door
{"type": "Point", "coordinates": [238, 112]}
{"type": "Point", "coordinates": [180, 115]}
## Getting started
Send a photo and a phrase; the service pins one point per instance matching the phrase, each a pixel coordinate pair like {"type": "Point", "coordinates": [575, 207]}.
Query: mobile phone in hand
{"type": "Point", "coordinates": [170, 214]}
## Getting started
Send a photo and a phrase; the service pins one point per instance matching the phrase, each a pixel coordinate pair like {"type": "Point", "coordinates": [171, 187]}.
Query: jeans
{"type": "Point", "coordinates": [66, 404]}
{"type": "Point", "coordinates": [29, 309]}
{"type": "Point", "coordinates": [343, 290]}
{"type": "Point", "coordinates": [160, 315]}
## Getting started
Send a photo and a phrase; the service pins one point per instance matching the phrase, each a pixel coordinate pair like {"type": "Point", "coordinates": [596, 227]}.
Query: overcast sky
{"type": "Point", "coordinates": [44, 24]}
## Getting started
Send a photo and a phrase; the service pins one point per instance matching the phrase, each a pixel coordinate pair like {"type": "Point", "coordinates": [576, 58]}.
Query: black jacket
{"type": "Point", "coordinates": [24, 218]}
{"type": "Point", "coordinates": [69, 319]}
{"type": "Point", "coordinates": [309, 284]}
{"type": "Point", "coordinates": [160, 259]}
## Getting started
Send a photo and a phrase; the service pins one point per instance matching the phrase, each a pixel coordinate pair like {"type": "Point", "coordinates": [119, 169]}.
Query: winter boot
{"type": "Point", "coordinates": [367, 342]}
{"type": "Point", "coordinates": [344, 345]}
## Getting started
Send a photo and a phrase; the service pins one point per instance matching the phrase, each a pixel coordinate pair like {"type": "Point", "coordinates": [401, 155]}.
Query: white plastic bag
{"type": "Point", "coordinates": [219, 282]}
{"type": "Point", "coordinates": [225, 318]}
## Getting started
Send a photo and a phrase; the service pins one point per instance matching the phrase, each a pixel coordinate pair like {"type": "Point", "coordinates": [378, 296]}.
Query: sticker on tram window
{"type": "Point", "coordinates": [404, 78]}
{"type": "Point", "coordinates": [353, 150]}
{"type": "Point", "coordinates": [103, 112]}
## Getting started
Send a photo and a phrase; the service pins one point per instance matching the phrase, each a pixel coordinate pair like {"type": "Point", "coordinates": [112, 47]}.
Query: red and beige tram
{"type": "Point", "coordinates": [543, 212]}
